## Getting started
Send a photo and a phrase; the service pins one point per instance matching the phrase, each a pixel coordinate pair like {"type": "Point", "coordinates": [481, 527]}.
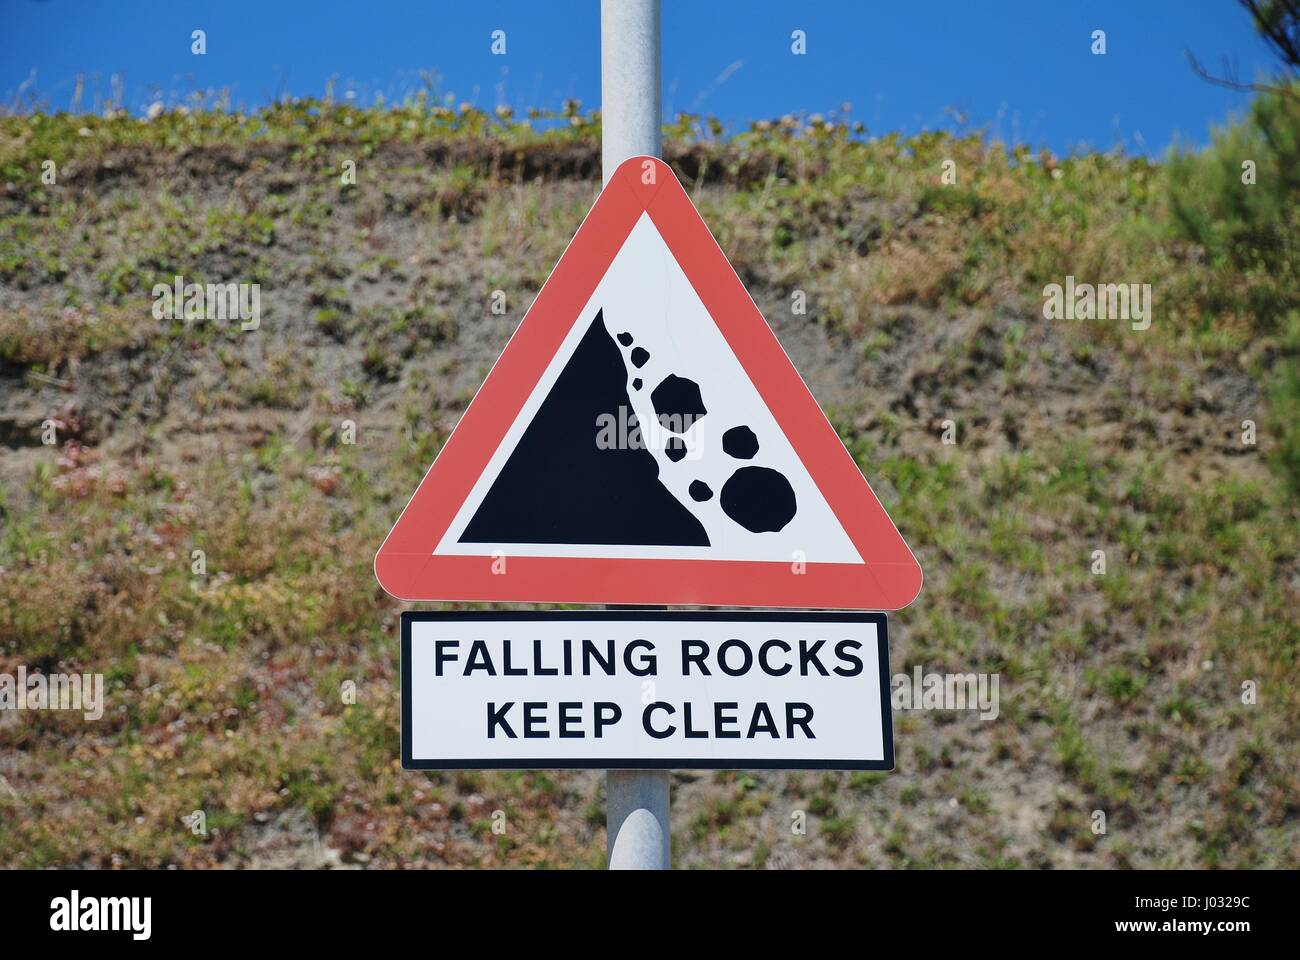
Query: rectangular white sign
{"type": "Point", "coordinates": [645, 689]}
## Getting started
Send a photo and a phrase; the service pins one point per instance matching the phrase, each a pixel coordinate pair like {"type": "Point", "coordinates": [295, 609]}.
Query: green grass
{"type": "Point", "coordinates": [224, 688]}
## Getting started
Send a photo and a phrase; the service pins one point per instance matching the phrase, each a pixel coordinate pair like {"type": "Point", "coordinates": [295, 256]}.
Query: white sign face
{"type": "Point", "coordinates": [645, 302]}
{"type": "Point", "coordinates": [645, 689]}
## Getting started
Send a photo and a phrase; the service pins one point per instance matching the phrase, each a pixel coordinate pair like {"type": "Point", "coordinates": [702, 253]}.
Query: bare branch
{"type": "Point", "coordinates": [1230, 81]}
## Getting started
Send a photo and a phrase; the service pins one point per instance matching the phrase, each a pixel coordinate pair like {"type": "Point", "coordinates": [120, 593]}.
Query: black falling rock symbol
{"type": "Point", "coordinates": [559, 485]}
{"type": "Point", "coordinates": [636, 384]}
{"type": "Point", "coordinates": [678, 403]}
{"type": "Point", "coordinates": [700, 491]}
{"type": "Point", "coordinates": [760, 499]}
{"type": "Point", "coordinates": [625, 339]}
{"type": "Point", "coordinates": [740, 442]}
{"type": "Point", "coordinates": [675, 449]}
{"type": "Point", "coordinates": [639, 357]}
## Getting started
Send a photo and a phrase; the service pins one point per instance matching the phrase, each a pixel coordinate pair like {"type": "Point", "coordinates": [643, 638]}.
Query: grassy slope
{"type": "Point", "coordinates": [1119, 692]}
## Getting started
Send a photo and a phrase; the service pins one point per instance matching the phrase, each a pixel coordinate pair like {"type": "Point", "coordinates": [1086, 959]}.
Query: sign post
{"type": "Point", "coordinates": [644, 441]}
{"type": "Point", "coordinates": [636, 801]}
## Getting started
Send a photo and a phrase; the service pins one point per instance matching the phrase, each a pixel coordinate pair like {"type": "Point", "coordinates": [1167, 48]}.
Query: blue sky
{"type": "Point", "coordinates": [1021, 69]}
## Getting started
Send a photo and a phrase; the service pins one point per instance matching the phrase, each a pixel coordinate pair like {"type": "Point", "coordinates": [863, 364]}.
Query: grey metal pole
{"type": "Point", "coordinates": [629, 81]}
{"type": "Point", "coordinates": [636, 811]}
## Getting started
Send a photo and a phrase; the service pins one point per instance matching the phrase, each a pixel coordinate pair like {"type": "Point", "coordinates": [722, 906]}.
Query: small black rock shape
{"type": "Point", "coordinates": [701, 491]}
{"type": "Point", "coordinates": [760, 499]}
{"type": "Point", "coordinates": [740, 442]}
{"type": "Point", "coordinates": [678, 403]}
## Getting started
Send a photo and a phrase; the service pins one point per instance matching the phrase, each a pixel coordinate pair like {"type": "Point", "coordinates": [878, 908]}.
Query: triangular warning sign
{"type": "Point", "coordinates": [643, 439]}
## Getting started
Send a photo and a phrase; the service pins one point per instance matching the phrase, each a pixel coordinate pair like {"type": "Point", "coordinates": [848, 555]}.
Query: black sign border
{"type": "Point", "coordinates": [623, 763]}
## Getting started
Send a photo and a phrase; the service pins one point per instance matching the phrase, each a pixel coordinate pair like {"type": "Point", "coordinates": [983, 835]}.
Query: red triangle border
{"type": "Point", "coordinates": [406, 567]}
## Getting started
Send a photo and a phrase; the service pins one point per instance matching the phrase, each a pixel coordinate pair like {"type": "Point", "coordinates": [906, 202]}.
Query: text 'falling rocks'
{"type": "Point", "coordinates": [660, 719]}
